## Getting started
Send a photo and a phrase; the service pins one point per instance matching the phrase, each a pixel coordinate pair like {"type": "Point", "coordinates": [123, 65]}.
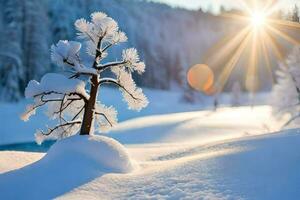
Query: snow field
{"type": "Point", "coordinates": [198, 155]}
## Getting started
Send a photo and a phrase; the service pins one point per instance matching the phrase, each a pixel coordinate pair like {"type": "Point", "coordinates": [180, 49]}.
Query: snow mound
{"type": "Point", "coordinates": [50, 81]}
{"type": "Point", "coordinates": [70, 163]}
{"type": "Point", "coordinates": [106, 153]}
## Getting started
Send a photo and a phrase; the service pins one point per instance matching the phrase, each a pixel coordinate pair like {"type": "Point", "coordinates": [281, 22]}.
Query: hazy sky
{"type": "Point", "coordinates": [214, 5]}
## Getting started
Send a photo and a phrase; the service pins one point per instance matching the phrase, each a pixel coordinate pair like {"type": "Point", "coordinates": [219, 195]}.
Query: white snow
{"type": "Point", "coordinates": [209, 155]}
{"type": "Point", "coordinates": [65, 50]}
{"type": "Point", "coordinates": [159, 103]}
{"type": "Point", "coordinates": [212, 155]}
{"type": "Point", "coordinates": [264, 167]}
{"type": "Point", "coordinates": [197, 127]}
{"type": "Point", "coordinates": [55, 82]}
{"type": "Point", "coordinates": [23, 132]}
{"type": "Point", "coordinates": [68, 164]}
{"type": "Point", "coordinates": [17, 159]}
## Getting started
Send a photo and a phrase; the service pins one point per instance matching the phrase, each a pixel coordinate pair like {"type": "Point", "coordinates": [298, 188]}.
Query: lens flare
{"type": "Point", "coordinates": [201, 78]}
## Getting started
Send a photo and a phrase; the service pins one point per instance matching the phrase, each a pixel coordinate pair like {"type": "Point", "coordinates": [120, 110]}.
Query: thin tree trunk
{"type": "Point", "coordinates": [89, 109]}
{"type": "Point", "coordinates": [88, 116]}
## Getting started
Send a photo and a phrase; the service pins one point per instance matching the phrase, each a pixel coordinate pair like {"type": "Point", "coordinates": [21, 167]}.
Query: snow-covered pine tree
{"type": "Point", "coordinates": [236, 94]}
{"type": "Point", "coordinates": [24, 43]}
{"type": "Point", "coordinates": [67, 99]}
{"type": "Point", "coordinates": [35, 34]}
{"type": "Point", "coordinates": [11, 64]}
{"type": "Point", "coordinates": [286, 93]}
{"type": "Point", "coordinates": [295, 14]}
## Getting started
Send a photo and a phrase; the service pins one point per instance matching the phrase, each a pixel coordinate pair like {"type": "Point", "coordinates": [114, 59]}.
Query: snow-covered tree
{"type": "Point", "coordinates": [11, 64]}
{"type": "Point", "coordinates": [68, 101]}
{"type": "Point", "coordinates": [35, 36]}
{"type": "Point", "coordinates": [295, 14]}
{"type": "Point", "coordinates": [24, 43]}
{"type": "Point", "coordinates": [286, 93]}
{"type": "Point", "coordinates": [236, 94]}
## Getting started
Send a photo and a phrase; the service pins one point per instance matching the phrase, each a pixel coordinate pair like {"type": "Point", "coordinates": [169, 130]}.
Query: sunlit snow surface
{"type": "Point", "coordinates": [228, 154]}
{"type": "Point", "coordinates": [14, 130]}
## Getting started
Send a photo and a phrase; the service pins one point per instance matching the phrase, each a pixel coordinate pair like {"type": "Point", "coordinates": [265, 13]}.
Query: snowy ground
{"type": "Point", "coordinates": [227, 154]}
{"type": "Point", "coordinates": [13, 130]}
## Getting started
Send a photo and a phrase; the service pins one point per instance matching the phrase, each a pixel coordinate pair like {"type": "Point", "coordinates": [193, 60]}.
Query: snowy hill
{"type": "Point", "coordinates": [208, 155]}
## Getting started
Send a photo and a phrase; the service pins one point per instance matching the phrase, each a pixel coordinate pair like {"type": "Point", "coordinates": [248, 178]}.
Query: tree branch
{"type": "Point", "coordinates": [283, 110]}
{"type": "Point", "coordinates": [116, 83]}
{"type": "Point", "coordinates": [78, 113]}
{"type": "Point", "coordinates": [78, 74]}
{"type": "Point", "coordinates": [111, 64]}
{"type": "Point", "coordinates": [106, 47]}
{"type": "Point", "coordinates": [60, 109]}
{"type": "Point", "coordinates": [81, 97]}
{"type": "Point", "coordinates": [98, 53]}
{"type": "Point", "coordinates": [290, 121]}
{"type": "Point", "coordinates": [102, 114]}
{"type": "Point", "coordinates": [65, 107]}
{"type": "Point", "coordinates": [71, 123]}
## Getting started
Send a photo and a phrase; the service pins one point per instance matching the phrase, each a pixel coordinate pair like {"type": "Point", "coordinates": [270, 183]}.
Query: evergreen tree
{"type": "Point", "coordinates": [35, 39]}
{"type": "Point", "coordinates": [295, 14]}
{"type": "Point", "coordinates": [286, 93]}
{"type": "Point", "coordinates": [11, 64]}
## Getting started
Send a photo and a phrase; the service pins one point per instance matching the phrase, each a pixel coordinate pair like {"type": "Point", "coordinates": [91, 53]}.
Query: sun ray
{"type": "Point", "coordinates": [284, 35]}
{"type": "Point", "coordinates": [266, 56]}
{"type": "Point", "coordinates": [286, 24]}
{"type": "Point", "coordinates": [245, 6]}
{"type": "Point", "coordinates": [277, 49]}
{"type": "Point", "coordinates": [251, 82]}
{"type": "Point", "coordinates": [224, 47]}
{"type": "Point", "coordinates": [231, 64]}
{"type": "Point", "coordinates": [271, 7]}
{"type": "Point", "coordinates": [234, 16]}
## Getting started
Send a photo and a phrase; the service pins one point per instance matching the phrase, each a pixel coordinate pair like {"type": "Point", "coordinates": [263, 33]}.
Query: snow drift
{"type": "Point", "coordinates": [68, 164]}
{"type": "Point", "coordinates": [105, 153]}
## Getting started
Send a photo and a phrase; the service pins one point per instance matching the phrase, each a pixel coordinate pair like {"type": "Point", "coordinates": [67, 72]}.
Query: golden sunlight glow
{"type": "Point", "coordinates": [258, 19]}
{"type": "Point", "coordinates": [262, 38]}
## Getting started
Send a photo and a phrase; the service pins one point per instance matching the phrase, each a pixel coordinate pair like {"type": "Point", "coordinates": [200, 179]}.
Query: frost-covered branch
{"type": "Point", "coordinates": [134, 96]}
{"type": "Point", "coordinates": [66, 54]}
{"type": "Point", "coordinates": [102, 114]}
{"type": "Point", "coordinates": [131, 61]}
{"type": "Point", "coordinates": [106, 117]}
{"type": "Point", "coordinates": [45, 94]}
{"type": "Point", "coordinates": [60, 129]}
{"type": "Point", "coordinates": [116, 83]}
{"type": "Point", "coordinates": [56, 84]}
{"type": "Point", "coordinates": [111, 64]}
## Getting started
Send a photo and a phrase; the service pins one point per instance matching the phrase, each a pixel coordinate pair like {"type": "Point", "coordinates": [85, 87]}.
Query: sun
{"type": "Point", "coordinates": [258, 19]}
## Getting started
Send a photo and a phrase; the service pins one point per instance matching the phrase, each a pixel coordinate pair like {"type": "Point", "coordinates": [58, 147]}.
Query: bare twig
{"type": "Point", "coordinates": [102, 114]}
{"type": "Point", "coordinates": [78, 113]}
{"type": "Point", "coordinates": [71, 123]}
